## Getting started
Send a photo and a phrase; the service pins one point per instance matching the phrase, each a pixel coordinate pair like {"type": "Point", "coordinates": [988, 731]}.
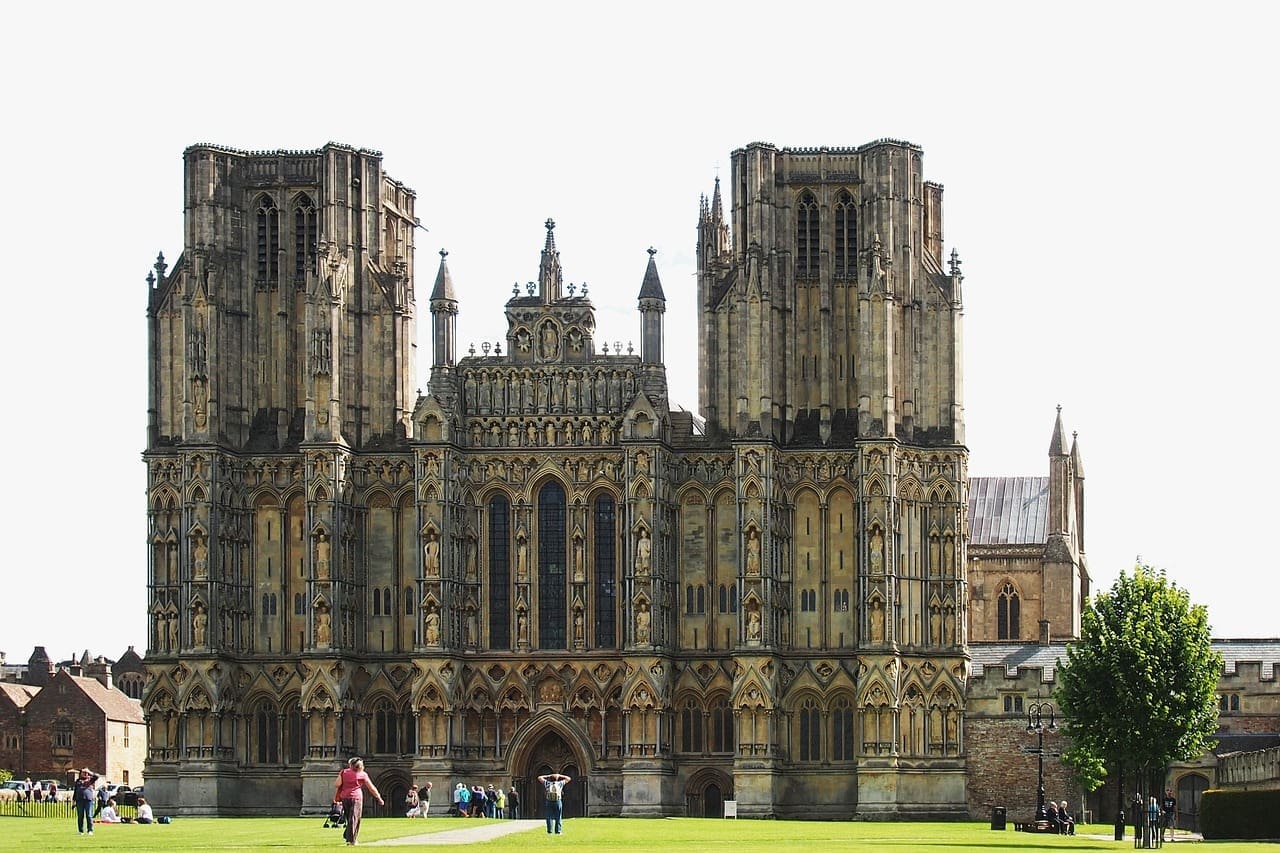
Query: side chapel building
{"type": "Point", "coordinates": [541, 564]}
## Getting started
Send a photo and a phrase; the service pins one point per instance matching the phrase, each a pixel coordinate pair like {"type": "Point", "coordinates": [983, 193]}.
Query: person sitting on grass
{"type": "Point", "coordinates": [109, 813]}
{"type": "Point", "coordinates": [144, 812]}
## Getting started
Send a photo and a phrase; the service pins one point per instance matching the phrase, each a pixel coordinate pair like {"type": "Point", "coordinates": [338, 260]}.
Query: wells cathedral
{"type": "Point", "coordinates": [542, 563]}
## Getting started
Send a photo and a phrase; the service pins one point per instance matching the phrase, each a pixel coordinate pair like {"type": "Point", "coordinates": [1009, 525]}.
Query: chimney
{"type": "Point", "coordinates": [99, 669]}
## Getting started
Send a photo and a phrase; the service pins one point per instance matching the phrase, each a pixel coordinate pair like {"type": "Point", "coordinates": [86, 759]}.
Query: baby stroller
{"type": "Point", "coordinates": [335, 818]}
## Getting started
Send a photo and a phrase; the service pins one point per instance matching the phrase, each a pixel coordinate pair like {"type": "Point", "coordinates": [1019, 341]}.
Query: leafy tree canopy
{"type": "Point", "coordinates": [1139, 688]}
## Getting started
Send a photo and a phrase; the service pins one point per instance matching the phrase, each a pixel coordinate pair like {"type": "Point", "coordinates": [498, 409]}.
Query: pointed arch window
{"type": "Point", "coordinates": [842, 731]}
{"type": "Point", "coordinates": [304, 236]}
{"type": "Point", "coordinates": [499, 516]}
{"type": "Point", "coordinates": [807, 236]}
{"type": "Point", "coordinates": [552, 550]}
{"type": "Point", "coordinates": [845, 263]}
{"type": "Point", "coordinates": [605, 560]}
{"type": "Point", "coordinates": [810, 731]}
{"type": "Point", "coordinates": [386, 728]}
{"type": "Point", "coordinates": [722, 739]}
{"type": "Point", "coordinates": [691, 727]}
{"type": "Point", "coordinates": [268, 253]}
{"type": "Point", "coordinates": [267, 725]}
{"type": "Point", "coordinates": [1008, 613]}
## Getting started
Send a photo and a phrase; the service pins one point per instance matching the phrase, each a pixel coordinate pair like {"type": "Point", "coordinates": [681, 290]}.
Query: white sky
{"type": "Point", "coordinates": [1107, 186]}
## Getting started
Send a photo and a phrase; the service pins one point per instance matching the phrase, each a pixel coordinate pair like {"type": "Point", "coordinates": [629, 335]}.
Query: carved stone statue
{"type": "Point", "coordinates": [431, 556]}
{"type": "Point", "coordinates": [431, 632]}
{"type": "Point", "coordinates": [322, 556]}
{"type": "Point", "coordinates": [579, 568]}
{"type": "Point", "coordinates": [201, 559]}
{"type": "Point", "coordinates": [877, 621]}
{"type": "Point", "coordinates": [471, 560]}
{"type": "Point", "coordinates": [753, 625]}
{"type": "Point", "coordinates": [522, 628]}
{"type": "Point", "coordinates": [642, 623]}
{"type": "Point", "coordinates": [522, 562]}
{"type": "Point", "coordinates": [753, 552]}
{"type": "Point", "coordinates": [877, 552]}
{"type": "Point", "coordinates": [199, 626]}
{"type": "Point", "coordinates": [579, 629]}
{"type": "Point", "coordinates": [643, 548]}
{"type": "Point", "coordinates": [472, 627]}
{"type": "Point", "coordinates": [324, 633]}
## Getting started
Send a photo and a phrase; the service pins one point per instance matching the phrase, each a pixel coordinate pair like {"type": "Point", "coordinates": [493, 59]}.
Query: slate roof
{"type": "Point", "coordinates": [1008, 510]}
{"type": "Point", "coordinates": [1012, 656]}
{"type": "Point", "coordinates": [113, 703]}
{"type": "Point", "coordinates": [19, 694]}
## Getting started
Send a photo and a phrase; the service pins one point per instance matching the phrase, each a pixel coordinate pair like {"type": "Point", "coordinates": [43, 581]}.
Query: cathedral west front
{"type": "Point", "coordinates": [541, 564]}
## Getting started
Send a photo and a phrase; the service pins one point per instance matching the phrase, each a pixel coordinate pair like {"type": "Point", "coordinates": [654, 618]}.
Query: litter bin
{"type": "Point", "coordinates": [997, 817]}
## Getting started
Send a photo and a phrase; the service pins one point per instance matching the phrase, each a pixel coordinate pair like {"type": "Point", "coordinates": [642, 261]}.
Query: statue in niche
{"type": "Point", "coordinates": [433, 466]}
{"type": "Point", "coordinates": [557, 392]}
{"type": "Point", "coordinates": [531, 433]}
{"type": "Point", "coordinates": [200, 558]}
{"type": "Point", "coordinates": [470, 548]}
{"type": "Point", "coordinates": [495, 435]}
{"type": "Point", "coordinates": [935, 625]}
{"type": "Point", "coordinates": [948, 556]}
{"type": "Point", "coordinates": [472, 627]}
{"type": "Point", "coordinates": [431, 556]}
{"type": "Point", "coordinates": [322, 556]}
{"type": "Point", "coordinates": [642, 463]}
{"type": "Point", "coordinates": [173, 632]}
{"type": "Point", "coordinates": [753, 552]}
{"type": "Point", "coordinates": [571, 392]}
{"type": "Point", "coordinates": [522, 628]}
{"type": "Point", "coordinates": [550, 343]}
{"type": "Point", "coordinates": [171, 562]}
{"type": "Point", "coordinates": [606, 433]}
{"type": "Point", "coordinates": [642, 623]}
{"type": "Point", "coordinates": [199, 625]}
{"type": "Point", "coordinates": [949, 626]}
{"type": "Point", "coordinates": [586, 433]}
{"type": "Point", "coordinates": [643, 548]}
{"type": "Point", "coordinates": [877, 621]}
{"type": "Point", "coordinates": [877, 552]}
{"type": "Point", "coordinates": [579, 630]}
{"type": "Point", "coordinates": [431, 630]}
{"type": "Point", "coordinates": [579, 567]}
{"type": "Point", "coordinates": [753, 624]}
{"type": "Point", "coordinates": [522, 561]}
{"type": "Point", "coordinates": [551, 434]}
{"type": "Point", "coordinates": [513, 436]}
{"type": "Point", "coordinates": [324, 632]}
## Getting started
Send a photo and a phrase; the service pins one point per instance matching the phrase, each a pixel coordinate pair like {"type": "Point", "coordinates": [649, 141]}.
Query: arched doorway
{"type": "Point", "coordinates": [706, 793]}
{"type": "Point", "coordinates": [1190, 787]}
{"type": "Point", "coordinates": [552, 755]}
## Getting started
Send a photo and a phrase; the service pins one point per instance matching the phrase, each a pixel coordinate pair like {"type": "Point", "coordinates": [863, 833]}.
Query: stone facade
{"type": "Point", "coordinates": [539, 565]}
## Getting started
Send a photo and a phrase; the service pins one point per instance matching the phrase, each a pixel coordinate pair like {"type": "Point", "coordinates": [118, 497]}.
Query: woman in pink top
{"type": "Point", "coordinates": [348, 791]}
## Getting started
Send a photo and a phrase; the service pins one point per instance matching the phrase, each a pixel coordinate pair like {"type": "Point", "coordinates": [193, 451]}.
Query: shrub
{"type": "Point", "coordinates": [1240, 814]}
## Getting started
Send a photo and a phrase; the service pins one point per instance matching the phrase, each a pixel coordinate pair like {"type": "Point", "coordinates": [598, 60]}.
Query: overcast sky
{"type": "Point", "coordinates": [1107, 187]}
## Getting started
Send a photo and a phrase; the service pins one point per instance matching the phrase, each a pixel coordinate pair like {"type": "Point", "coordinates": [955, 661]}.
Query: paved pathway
{"type": "Point", "coordinates": [466, 835]}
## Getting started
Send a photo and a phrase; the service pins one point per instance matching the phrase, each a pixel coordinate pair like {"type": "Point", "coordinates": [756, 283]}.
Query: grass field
{"type": "Point", "coordinates": [684, 835]}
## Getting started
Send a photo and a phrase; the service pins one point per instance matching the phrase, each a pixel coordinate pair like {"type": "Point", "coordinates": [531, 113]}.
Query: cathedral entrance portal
{"type": "Point", "coordinates": [552, 755]}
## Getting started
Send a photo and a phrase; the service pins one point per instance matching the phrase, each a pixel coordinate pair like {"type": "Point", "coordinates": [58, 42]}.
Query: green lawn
{"type": "Point", "coordinates": [694, 835]}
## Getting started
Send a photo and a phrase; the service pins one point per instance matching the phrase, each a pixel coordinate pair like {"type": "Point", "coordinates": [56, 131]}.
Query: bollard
{"type": "Point", "coordinates": [1120, 825]}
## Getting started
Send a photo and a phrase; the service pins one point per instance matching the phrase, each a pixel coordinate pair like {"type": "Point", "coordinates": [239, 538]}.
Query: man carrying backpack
{"type": "Point", "coordinates": [553, 784]}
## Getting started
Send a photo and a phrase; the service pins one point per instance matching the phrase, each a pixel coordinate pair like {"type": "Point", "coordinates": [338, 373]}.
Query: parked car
{"type": "Point", "coordinates": [20, 787]}
{"type": "Point", "coordinates": [126, 796]}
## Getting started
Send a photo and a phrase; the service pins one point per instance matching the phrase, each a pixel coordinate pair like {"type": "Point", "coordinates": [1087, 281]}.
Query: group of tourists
{"type": "Point", "coordinates": [479, 801]}
{"type": "Point", "coordinates": [1159, 816]}
{"type": "Point", "coordinates": [474, 801]}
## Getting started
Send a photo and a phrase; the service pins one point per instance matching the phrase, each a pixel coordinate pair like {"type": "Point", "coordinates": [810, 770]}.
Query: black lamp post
{"type": "Point", "coordinates": [1036, 723]}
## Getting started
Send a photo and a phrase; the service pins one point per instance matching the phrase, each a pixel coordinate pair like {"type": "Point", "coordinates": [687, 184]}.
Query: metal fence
{"type": "Point", "coordinates": [47, 809]}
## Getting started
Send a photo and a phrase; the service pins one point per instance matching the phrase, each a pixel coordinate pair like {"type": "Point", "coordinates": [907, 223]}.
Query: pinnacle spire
{"type": "Point", "coordinates": [444, 282]}
{"type": "Point", "coordinates": [1058, 444]}
{"type": "Point", "coordinates": [651, 287]}
{"type": "Point", "coordinates": [550, 276]}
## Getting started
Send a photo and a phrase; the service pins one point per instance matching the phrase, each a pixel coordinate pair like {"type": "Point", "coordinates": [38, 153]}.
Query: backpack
{"type": "Point", "coordinates": [553, 792]}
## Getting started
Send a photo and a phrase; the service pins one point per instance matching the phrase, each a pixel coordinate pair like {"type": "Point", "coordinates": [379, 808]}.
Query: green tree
{"type": "Point", "coordinates": [1139, 689]}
